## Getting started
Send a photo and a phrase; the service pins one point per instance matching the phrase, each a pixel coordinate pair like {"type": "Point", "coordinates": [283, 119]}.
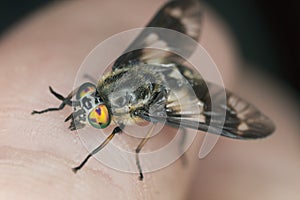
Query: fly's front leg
{"type": "Point", "coordinates": [65, 101]}
{"type": "Point", "coordinates": [116, 130]}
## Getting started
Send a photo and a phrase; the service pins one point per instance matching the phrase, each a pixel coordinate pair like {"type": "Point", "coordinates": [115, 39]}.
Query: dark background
{"type": "Point", "coordinates": [267, 31]}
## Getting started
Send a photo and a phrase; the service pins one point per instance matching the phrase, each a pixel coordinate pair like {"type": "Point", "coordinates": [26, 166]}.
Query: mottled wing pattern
{"type": "Point", "coordinates": [182, 16]}
{"type": "Point", "coordinates": [242, 119]}
{"type": "Point", "coordinates": [235, 117]}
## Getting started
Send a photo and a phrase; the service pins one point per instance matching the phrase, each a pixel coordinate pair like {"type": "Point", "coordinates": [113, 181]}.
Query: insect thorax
{"type": "Point", "coordinates": [131, 88]}
{"type": "Point", "coordinates": [139, 87]}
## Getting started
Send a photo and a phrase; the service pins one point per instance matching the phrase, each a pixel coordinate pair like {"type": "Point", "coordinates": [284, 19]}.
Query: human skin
{"type": "Point", "coordinates": [37, 152]}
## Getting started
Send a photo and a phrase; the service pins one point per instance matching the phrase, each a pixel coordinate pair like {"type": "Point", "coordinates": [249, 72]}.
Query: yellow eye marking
{"type": "Point", "coordinates": [99, 117]}
{"type": "Point", "coordinates": [85, 89]}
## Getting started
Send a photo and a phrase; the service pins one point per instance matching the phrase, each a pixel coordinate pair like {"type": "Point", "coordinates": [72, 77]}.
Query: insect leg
{"type": "Point", "coordinates": [139, 148]}
{"type": "Point", "coordinates": [116, 130]}
{"type": "Point", "coordinates": [181, 145]}
{"type": "Point", "coordinates": [65, 101]}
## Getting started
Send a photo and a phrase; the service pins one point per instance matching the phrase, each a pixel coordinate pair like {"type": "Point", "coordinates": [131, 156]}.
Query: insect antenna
{"type": "Point", "coordinates": [116, 130]}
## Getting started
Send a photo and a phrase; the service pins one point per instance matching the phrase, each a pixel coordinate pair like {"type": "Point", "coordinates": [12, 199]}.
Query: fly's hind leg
{"type": "Point", "coordinates": [139, 148]}
{"type": "Point", "coordinates": [65, 101]}
{"type": "Point", "coordinates": [181, 152]}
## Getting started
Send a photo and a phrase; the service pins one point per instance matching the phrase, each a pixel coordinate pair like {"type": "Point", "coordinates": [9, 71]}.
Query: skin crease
{"type": "Point", "coordinates": [37, 152]}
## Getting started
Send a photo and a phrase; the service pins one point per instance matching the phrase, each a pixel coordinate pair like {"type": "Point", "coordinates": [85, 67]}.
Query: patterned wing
{"type": "Point", "coordinates": [242, 119]}
{"type": "Point", "coordinates": [211, 108]}
{"type": "Point", "coordinates": [183, 16]}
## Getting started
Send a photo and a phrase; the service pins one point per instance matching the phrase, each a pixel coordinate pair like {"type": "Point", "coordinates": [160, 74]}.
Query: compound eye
{"type": "Point", "coordinates": [99, 117]}
{"type": "Point", "coordinates": [85, 89]}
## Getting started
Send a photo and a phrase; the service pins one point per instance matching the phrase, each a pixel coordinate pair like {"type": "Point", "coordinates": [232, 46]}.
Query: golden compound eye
{"type": "Point", "coordinates": [85, 89]}
{"type": "Point", "coordinates": [99, 117]}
